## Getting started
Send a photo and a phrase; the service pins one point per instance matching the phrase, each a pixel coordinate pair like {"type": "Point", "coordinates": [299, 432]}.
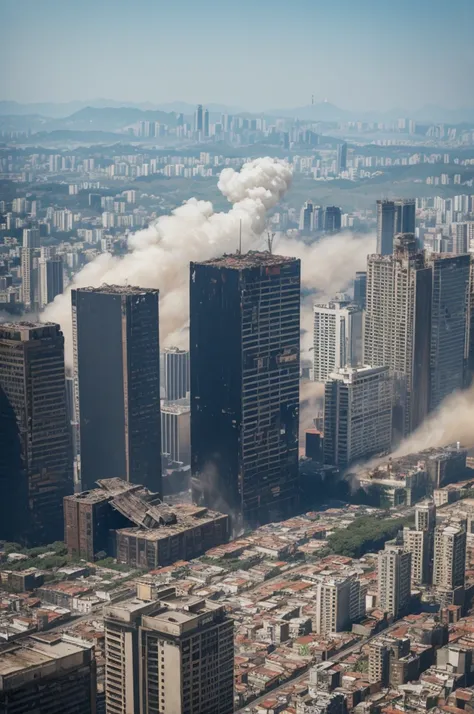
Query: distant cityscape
{"type": "Point", "coordinates": [236, 414]}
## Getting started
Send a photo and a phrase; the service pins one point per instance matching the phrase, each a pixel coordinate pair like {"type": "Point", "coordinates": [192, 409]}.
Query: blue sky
{"type": "Point", "coordinates": [257, 54]}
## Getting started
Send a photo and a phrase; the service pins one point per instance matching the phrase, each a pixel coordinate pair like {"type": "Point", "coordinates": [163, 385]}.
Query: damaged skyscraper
{"type": "Point", "coordinates": [245, 360]}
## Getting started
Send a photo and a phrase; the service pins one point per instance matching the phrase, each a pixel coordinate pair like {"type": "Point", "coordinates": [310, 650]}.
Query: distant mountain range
{"type": "Point", "coordinates": [110, 115]}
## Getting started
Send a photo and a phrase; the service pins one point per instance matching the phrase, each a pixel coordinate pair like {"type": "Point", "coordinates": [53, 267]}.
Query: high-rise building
{"type": "Point", "coordinates": [419, 541]}
{"type": "Point", "coordinates": [341, 159]}
{"type": "Point", "coordinates": [51, 280]}
{"type": "Point", "coordinates": [206, 123]}
{"type": "Point", "coordinates": [357, 415]}
{"type": "Point", "coordinates": [360, 289]}
{"type": "Point", "coordinates": [449, 556]}
{"type": "Point", "coordinates": [393, 578]}
{"type": "Point", "coordinates": [340, 600]}
{"type": "Point", "coordinates": [393, 217]}
{"type": "Point", "coordinates": [306, 218]}
{"type": "Point", "coordinates": [425, 516]}
{"type": "Point", "coordinates": [198, 118]}
{"type": "Point", "coordinates": [176, 431]}
{"type": "Point", "coordinates": [397, 328]}
{"type": "Point", "coordinates": [245, 361]}
{"type": "Point", "coordinates": [460, 238]}
{"type": "Point", "coordinates": [35, 444]}
{"type": "Point", "coordinates": [29, 268]}
{"type": "Point", "coordinates": [332, 219]}
{"type": "Point", "coordinates": [169, 655]}
{"type": "Point", "coordinates": [174, 375]}
{"type": "Point", "coordinates": [117, 373]}
{"type": "Point", "coordinates": [449, 324]}
{"type": "Point", "coordinates": [337, 338]}
{"type": "Point", "coordinates": [48, 674]}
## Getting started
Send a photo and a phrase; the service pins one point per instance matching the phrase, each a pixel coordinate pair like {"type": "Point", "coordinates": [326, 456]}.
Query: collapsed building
{"type": "Point", "coordinates": [129, 522]}
{"type": "Point", "coordinates": [407, 479]}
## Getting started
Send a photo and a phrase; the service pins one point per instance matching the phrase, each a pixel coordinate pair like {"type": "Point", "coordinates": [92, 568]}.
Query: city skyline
{"type": "Point", "coordinates": [227, 50]}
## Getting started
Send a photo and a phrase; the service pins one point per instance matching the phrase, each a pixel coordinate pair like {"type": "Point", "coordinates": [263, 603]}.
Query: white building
{"type": "Point", "coordinates": [337, 338]}
{"type": "Point", "coordinates": [394, 578]}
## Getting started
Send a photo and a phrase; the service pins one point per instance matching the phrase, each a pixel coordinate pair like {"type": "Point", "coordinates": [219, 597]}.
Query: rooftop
{"type": "Point", "coordinates": [36, 651]}
{"type": "Point", "coordinates": [252, 259]}
{"type": "Point", "coordinates": [181, 407]}
{"type": "Point", "coordinates": [118, 290]}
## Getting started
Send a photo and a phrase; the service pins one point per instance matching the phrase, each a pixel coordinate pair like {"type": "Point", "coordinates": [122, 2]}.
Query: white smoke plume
{"type": "Point", "coordinates": [452, 421]}
{"type": "Point", "coordinates": [311, 402]}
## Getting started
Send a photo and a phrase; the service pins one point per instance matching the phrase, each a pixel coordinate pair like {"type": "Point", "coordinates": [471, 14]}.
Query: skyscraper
{"type": "Point", "coordinates": [170, 655]}
{"type": "Point", "coordinates": [174, 375]}
{"type": "Point", "coordinates": [449, 324]}
{"type": "Point", "coordinates": [397, 328]}
{"type": "Point", "coordinates": [393, 217]}
{"type": "Point", "coordinates": [51, 280]}
{"type": "Point", "coordinates": [117, 373]}
{"type": "Point", "coordinates": [35, 445]}
{"type": "Point", "coordinates": [340, 600]}
{"type": "Point", "coordinates": [393, 578]}
{"type": "Point", "coordinates": [29, 268]}
{"type": "Point", "coordinates": [245, 356]}
{"type": "Point", "coordinates": [360, 289]}
{"type": "Point", "coordinates": [332, 219]}
{"type": "Point", "coordinates": [341, 159]}
{"type": "Point", "coordinates": [357, 415]}
{"type": "Point", "coordinates": [206, 123]}
{"type": "Point", "coordinates": [337, 337]}
{"type": "Point", "coordinates": [419, 541]}
{"type": "Point", "coordinates": [175, 431]}
{"type": "Point", "coordinates": [306, 218]}
{"type": "Point", "coordinates": [449, 556]}
{"type": "Point", "coordinates": [198, 118]}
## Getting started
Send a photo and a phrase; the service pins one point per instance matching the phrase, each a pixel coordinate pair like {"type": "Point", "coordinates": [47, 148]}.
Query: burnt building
{"type": "Point", "coordinates": [132, 523]}
{"type": "Point", "coordinates": [245, 360]}
{"type": "Point", "coordinates": [35, 444]}
{"type": "Point", "coordinates": [117, 384]}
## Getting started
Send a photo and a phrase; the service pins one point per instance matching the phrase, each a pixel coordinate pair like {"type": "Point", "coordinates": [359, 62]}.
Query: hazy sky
{"type": "Point", "coordinates": [257, 54]}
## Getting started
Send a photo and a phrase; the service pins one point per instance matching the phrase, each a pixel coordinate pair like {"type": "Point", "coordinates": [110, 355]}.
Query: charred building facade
{"type": "Point", "coordinates": [35, 443]}
{"type": "Point", "coordinates": [245, 360]}
{"type": "Point", "coordinates": [117, 384]}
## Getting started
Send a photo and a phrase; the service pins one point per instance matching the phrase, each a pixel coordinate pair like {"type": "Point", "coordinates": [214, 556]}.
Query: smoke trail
{"type": "Point", "coordinates": [452, 421]}
{"type": "Point", "coordinates": [159, 256]}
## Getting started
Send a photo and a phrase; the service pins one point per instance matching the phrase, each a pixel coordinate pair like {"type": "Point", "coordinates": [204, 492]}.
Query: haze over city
{"type": "Point", "coordinates": [237, 357]}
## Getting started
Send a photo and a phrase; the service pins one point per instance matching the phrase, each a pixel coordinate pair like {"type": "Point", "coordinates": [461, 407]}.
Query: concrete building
{"type": "Point", "coordinates": [393, 217]}
{"type": "Point", "coordinates": [419, 541]}
{"type": "Point", "coordinates": [394, 577]}
{"type": "Point", "coordinates": [51, 280]}
{"type": "Point", "coordinates": [357, 415]}
{"type": "Point", "coordinates": [397, 328]}
{"type": "Point", "coordinates": [245, 364]}
{"type": "Point", "coordinates": [360, 289]}
{"type": "Point", "coordinates": [340, 600]}
{"type": "Point", "coordinates": [171, 655]}
{"type": "Point", "coordinates": [128, 521]}
{"type": "Point", "coordinates": [332, 219]}
{"type": "Point", "coordinates": [449, 324]}
{"type": "Point", "coordinates": [337, 338]}
{"type": "Point", "coordinates": [48, 674]}
{"type": "Point", "coordinates": [117, 373]}
{"type": "Point", "coordinates": [341, 159]}
{"type": "Point", "coordinates": [35, 443]}
{"type": "Point", "coordinates": [29, 268]}
{"type": "Point", "coordinates": [176, 431]}
{"type": "Point", "coordinates": [449, 556]}
{"type": "Point", "coordinates": [174, 375]}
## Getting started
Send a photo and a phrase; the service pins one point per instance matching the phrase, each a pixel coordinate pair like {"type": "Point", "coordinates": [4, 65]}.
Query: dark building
{"type": "Point", "coordinates": [341, 157]}
{"type": "Point", "coordinates": [51, 280]}
{"type": "Point", "coordinates": [117, 372]}
{"type": "Point", "coordinates": [47, 674]}
{"type": "Point", "coordinates": [393, 217]}
{"type": "Point", "coordinates": [131, 523]}
{"type": "Point", "coordinates": [332, 219]}
{"type": "Point", "coordinates": [198, 118]}
{"type": "Point", "coordinates": [360, 289]}
{"type": "Point", "coordinates": [313, 445]}
{"type": "Point", "coordinates": [35, 444]}
{"type": "Point", "coordinates": [206, 123]}
{"type": "Point", "coordinates": [245, 358]}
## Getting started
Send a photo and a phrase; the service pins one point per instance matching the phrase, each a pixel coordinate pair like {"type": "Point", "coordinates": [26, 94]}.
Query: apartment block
{"type": "Point", "coordinates": [337, 338]}
{"type": "Point", "coordinates": [449, 556]}
{"type": "Point", "coordinates": [394, 578]}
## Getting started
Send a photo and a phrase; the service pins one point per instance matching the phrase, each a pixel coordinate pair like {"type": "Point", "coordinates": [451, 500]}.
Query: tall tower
{"type": "Point", "coordinates": [174, 373]}
{"type": "Point", "coordinates": [357, 415]}
{"type": "Point", "coordinates": [35, 446]}
{"type": "Point", "coordinates": [341, 159]}
{"type": "Point", "coordinates": [393, 217]}
{"type": "Point", "coordinates": [198, 119]}
{"type": "Point", "coordinates": [397, 328]}
{"type": "Point", "coordinates": [51, 279]}
{"type": "Point", "coordinates": [117, 373]}
{"type": "Point", "coordinates": [449, 324]}
{"type": "Point", "coordinates": [245, 357]}
{"type": "Point", "coordinates": [394, 577]}
{"type": "Point", "coordinates": [337, 338]}
{"type": "Point", "coordinates": [29, 268]}
{"type": "Point", "coordinates": [206, 123]}
{"type": "Point", "coordinates": [360, 289]}
{"type": "Point", "coordinates": [449, 556]}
